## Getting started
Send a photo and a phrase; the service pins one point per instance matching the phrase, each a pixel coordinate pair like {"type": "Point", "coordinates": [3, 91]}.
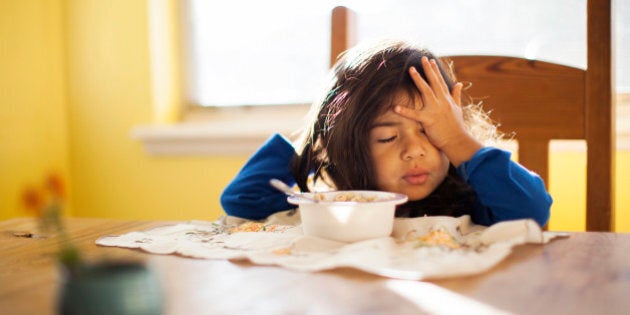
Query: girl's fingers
{"type": "Point", "coordinates": [432, 72]}
{"type": "Point", "coordinates": [441, 80]}
{"type": "Point", "coordinates": [408, 112]}
{"type": "Point", "coordinates": [421, 84]}
{"type": "Point", "coordinates": [457, 93]}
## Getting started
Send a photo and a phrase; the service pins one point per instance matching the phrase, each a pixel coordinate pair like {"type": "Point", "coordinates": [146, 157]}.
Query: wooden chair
{"type": "Point", "coordinates": [541, 101]}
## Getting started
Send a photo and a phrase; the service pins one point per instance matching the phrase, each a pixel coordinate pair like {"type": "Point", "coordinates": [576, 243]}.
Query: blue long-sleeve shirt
{"type": "Point", "coordinates": [506, 190]}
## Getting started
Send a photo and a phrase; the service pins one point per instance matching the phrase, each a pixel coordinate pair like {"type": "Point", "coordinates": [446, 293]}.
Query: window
{"type": "Point", "coordinates": [277, 51]}
{"type": "Point", "coordinates": [258, 52]}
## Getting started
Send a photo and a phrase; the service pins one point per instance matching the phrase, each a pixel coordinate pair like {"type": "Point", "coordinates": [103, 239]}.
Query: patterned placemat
{"type": "Point", "coordinates": [419, 248]}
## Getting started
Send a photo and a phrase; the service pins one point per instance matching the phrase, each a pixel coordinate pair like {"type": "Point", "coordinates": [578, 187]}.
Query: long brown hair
{"type": "Point", "coordinates": [335, 146]}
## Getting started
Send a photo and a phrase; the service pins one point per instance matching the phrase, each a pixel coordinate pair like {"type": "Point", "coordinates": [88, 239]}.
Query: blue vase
{"type": "Point", "coordinates": [111, 288]}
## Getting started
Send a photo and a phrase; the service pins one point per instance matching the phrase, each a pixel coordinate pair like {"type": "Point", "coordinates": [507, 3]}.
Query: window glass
{"type": "Point", "coordinates": [258, 52]}
{"type": "Point", "coordinates": [536, 29]}
{"type": "Point", "coordinates": [277, 51]}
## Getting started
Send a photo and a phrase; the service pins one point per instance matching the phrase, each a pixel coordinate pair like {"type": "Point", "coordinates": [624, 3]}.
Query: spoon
{"type": "Point", "coordinates": [281, 186]}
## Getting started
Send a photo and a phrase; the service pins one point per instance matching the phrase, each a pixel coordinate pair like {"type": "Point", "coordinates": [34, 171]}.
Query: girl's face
{"type": "Point", "coordinates": [404, 159]}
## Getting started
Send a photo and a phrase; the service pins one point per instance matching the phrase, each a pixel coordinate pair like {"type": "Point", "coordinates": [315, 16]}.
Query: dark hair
{"type": "Point", "coordinates": [335, 146]}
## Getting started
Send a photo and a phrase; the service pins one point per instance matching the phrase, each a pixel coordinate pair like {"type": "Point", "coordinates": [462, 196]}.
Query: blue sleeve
{"type": "Point", "coordinates": [506, 190]}
{"type": "Point", "coordinates": [249, 195]}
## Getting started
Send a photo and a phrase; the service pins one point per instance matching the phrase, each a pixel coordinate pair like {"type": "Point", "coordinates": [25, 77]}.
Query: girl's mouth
{"type": "Point", "coordinates": [416, 178]}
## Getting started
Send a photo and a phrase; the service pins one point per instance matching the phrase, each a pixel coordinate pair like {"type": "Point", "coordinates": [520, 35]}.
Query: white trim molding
{"type": "Point", "coordinates": [240, 131]}
{"type": "Point", "coordinates": [226, 131]}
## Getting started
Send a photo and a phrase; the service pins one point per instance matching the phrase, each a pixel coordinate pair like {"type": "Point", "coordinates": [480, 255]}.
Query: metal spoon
{"type": "Point", "coordinates": [281, 186]}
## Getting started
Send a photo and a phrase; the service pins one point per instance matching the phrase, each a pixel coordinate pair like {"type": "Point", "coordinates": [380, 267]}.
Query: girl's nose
{"type": "Point", "coordinates": [414, 147]}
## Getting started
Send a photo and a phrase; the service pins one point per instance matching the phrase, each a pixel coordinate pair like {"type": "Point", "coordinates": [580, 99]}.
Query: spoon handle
{"type": "Point", "coordinates": [281, 186]}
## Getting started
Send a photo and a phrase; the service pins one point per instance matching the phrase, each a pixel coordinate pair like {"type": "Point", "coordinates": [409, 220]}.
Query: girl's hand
{"type": "Point", "coordinates": [440, 114]}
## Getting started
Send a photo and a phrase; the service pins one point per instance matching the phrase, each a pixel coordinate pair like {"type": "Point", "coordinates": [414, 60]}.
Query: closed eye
{"type": "Point", "coordinates": [422, 130]}
{"type": "Point", "coordinates": [390, 139]}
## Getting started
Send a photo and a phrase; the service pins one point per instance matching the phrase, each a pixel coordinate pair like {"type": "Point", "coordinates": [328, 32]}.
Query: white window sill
{"type": "Point", "coordinates": [242, 131]}
{"type": "Point", "coordinates": [198, 140]}
{"type": "Point", "coordinates": [230, 131]}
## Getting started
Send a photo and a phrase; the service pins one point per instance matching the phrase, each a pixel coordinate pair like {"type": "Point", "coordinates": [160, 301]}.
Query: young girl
{"type": "Point", "coordinates": [391, 120]}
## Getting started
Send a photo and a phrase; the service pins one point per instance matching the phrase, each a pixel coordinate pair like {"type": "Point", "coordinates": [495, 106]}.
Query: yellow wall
{"type": "Point", "coordinates": [567, 185]}
{"type": "Point", "coordinates": [622, 200]}
{"type": "Point", "coordinates": [77, 77]}
{"type": "Point", "coordinates": [33, 106]}
{"type": "Point", "coordinates": [110, 92]}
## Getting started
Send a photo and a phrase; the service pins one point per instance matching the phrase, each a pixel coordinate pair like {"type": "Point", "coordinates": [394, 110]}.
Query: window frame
{"type": "Point", "coordinates": [209, 131]}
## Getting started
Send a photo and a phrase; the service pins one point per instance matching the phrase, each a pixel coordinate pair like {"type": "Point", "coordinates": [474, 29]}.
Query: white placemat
{"type": "Point", "coordinates": [419, 248]}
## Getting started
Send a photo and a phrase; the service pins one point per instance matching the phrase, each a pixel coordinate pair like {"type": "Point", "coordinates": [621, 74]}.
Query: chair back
{"type": "Point", "coordinates": [540, 101]}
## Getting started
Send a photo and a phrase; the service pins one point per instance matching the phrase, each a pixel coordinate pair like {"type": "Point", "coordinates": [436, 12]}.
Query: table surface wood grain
{"type": "Point", "coordinates": [586, 273]}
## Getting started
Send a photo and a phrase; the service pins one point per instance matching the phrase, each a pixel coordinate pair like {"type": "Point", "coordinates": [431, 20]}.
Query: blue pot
{"type": "Point", "coordinates": [111, 288]}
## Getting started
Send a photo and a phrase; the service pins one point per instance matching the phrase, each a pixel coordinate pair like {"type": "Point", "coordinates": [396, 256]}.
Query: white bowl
{"type": "Point", "coordinates": [348, 221]}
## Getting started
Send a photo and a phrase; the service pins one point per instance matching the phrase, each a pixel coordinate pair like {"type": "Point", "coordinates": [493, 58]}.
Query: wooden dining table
{"type": "Point", "coordinates": [585, 273]}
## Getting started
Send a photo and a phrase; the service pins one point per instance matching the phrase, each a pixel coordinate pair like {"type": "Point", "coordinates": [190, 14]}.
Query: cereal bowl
{"type": "Point", "coordinates": [348, 216]}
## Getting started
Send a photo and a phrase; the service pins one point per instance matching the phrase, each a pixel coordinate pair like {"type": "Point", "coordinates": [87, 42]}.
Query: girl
{"type": "Point", "coordinates": [391, 120]}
